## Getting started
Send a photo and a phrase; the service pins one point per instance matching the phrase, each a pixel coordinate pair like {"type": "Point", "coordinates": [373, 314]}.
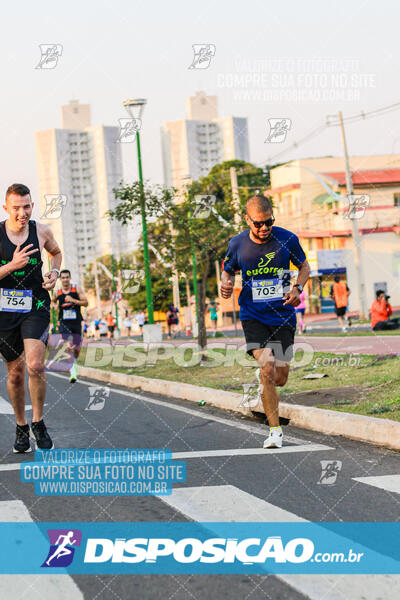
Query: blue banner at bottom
{"type": "Point", "coordinates": [208, 548]}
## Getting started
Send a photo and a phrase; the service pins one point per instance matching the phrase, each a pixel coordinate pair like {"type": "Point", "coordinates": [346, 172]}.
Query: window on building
{"type": "Point", "coordinates": [396, 199]}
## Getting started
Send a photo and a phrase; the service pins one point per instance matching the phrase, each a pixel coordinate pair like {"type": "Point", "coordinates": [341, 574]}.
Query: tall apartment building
{"type": "Point", "coordinates": [82, 163]}
{"type": "Point", "coordinates": [192, 146]}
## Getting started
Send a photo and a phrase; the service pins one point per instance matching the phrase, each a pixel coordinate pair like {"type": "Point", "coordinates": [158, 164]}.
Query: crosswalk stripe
{"type": "Point", "coordinates": [250, 451]}
{"type": "Point", "coordinates": [217, 453]}
{"type": "Point", "coordinates": [229, 503]}
{"type": "Point", "coordinates": [7, 409]}
{"type": "Point", "coordinates": [34, 587]}
{"type": "Point", "coordinates": [389, 483]}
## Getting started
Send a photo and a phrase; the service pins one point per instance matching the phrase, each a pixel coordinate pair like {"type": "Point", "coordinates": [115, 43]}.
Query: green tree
{"type": "Point", "coordinates": [105, 283]}
{"type": "Point", "coordinates": [200, 219]}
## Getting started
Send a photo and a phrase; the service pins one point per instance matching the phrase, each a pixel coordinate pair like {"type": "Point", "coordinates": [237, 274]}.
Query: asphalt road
{"type": "Point", "coordinates": [231, 484]}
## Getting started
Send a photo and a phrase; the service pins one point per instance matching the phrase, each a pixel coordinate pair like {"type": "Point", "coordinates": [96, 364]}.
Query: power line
{"type": "Point", "coordinates": [313, 133]}
{"type": "Point", "coordinates": [364, 115]}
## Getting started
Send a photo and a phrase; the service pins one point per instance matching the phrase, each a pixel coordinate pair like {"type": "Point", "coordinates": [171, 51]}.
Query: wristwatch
{"type": "Point", "coordinates": [298, 286]}
{"type": "Point", "coordinates": [56, 270]}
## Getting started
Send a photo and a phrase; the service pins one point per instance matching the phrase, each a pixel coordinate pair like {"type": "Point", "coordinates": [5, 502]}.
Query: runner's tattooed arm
{"type": "Point", "coordinates": [54, 302]}
{"type": "Point", "coordinates": [53, 250]}
{"type": "Point", "coordinates": [304, 274]}
{"type": "Point", "coordinates": [293, 297]}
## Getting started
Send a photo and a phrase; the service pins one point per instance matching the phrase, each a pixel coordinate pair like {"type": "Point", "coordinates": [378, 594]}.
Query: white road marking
{"type": "Point", "coordinates": [217, 453]}
{"type": "Point", "coordinates": [255, 429]}
{"type": "Point", "coordinates": [389, 483]}
{"type": "Point", "coordinates": [250, 451]}
{"type": "Point", "coordinates": [7, 409]}
{"type": "Point", "coordinates": [215, 503]}
{"type": "Point", "coordinates": [11, 467]}
{"type": "Point", "coordinates": [34, 587]}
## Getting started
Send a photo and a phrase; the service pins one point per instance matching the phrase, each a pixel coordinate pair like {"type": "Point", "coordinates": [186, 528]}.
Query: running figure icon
{"type": "Point", "coordinates": [62, 549]}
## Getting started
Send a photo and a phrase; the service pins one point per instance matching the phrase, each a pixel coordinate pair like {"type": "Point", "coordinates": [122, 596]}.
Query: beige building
{"type": "Point", "coordinates": [324, 226]}
{"type": "Point", "coordinates": [192, 146]}
{"type": "Point", "coordinates": [80, 164]}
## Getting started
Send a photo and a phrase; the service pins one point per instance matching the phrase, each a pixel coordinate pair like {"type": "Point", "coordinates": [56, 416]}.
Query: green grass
{"type": "Point", "coordinates": [376, 379]}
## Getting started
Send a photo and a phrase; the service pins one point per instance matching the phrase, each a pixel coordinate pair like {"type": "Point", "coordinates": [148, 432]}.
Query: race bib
{"type": "Point", "coordinates": [18, 301]}
{"type": "Point", "coordinates": [265, 290]}
{"type": "Point", "coordinates": [69, 313]}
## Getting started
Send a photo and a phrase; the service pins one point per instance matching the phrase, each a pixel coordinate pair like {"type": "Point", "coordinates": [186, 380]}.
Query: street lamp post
{"type": "Point", "coordinates": [135, 108]}
{"type": "Point", "coordinates": [114, 287]}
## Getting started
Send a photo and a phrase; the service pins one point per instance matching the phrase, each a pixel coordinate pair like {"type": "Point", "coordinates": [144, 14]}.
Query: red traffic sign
{"type": "Point", "coordinates": [116, 296]}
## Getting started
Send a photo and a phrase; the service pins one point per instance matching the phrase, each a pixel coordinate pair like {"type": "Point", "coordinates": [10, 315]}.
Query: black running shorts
{"type": "Point", "coordinates": [280, 338]}
{"type": "Point", "coordinates": [72, 333]}
{"type": "Point", "coordinates": [341, 311]}
{"type": "Point", "coordinates": [34, 326]}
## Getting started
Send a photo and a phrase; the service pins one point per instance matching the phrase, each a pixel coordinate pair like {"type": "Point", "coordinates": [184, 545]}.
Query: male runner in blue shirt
{"type": "Point", "coordinates": [267, 301]}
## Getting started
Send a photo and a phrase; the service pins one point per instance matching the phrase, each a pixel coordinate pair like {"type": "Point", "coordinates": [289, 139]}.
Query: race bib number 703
{"type": "Point", "coordinates": [266, 290]}
{"type": "Point", "coordinates": [18, 301]}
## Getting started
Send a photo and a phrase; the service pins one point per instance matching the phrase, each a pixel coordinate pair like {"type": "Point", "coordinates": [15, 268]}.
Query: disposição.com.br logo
{"type": "Point", "coordinates": [62, 547]}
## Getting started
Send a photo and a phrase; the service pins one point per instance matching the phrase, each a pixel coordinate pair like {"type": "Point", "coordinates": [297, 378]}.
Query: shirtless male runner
{"type": "Point", "coordinates": [25, 311]}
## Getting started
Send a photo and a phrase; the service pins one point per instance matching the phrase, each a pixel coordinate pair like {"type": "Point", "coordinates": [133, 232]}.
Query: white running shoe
{"type": "Point", "coordinates": [275, 438]}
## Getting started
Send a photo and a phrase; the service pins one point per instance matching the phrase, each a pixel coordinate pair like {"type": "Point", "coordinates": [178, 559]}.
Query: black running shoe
{"type": "Point", "coordinates": [43, 440]}
{"type": "Point", "coordinates": [22, 442]}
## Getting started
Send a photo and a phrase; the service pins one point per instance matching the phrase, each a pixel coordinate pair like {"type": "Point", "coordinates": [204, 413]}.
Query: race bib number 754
{"type": "Point", "coordinates": [18, 301]}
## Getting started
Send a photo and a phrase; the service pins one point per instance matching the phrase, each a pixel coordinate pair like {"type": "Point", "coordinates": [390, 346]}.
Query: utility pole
{"type": "Point", "coordinates": [356, 234]}
{"type": "Point", "coordinates": [235, 195]}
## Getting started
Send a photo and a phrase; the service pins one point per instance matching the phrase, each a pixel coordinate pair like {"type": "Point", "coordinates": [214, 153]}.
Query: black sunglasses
{"type": "Point", "coordinates": [259, 224]}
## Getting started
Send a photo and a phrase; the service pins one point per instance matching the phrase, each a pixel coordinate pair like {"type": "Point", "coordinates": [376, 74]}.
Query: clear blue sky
{"type": "Point", "coordinates": [118, 49]}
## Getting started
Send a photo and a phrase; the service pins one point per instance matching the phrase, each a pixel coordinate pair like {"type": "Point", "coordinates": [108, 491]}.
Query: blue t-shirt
{"type": "Point", "coordinates": [265, 274]}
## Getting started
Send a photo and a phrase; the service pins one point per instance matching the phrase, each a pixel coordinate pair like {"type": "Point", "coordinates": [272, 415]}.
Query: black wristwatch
{"type": "Point", "coordinates": [298, 286]}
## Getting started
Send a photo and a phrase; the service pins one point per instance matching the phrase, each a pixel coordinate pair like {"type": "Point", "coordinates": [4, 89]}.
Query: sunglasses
{"type": "Point", "coordinates": [259, 224]}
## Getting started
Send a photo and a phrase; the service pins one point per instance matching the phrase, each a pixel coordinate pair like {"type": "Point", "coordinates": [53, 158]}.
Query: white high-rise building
{"type": "Point", "coordinates": [192, 146]}
{"type": "Point", "coordinates": [81, 163]}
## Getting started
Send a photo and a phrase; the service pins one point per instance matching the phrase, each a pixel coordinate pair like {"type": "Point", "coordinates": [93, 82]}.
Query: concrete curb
{"type": "Point", "coordinates": [381, 432]}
